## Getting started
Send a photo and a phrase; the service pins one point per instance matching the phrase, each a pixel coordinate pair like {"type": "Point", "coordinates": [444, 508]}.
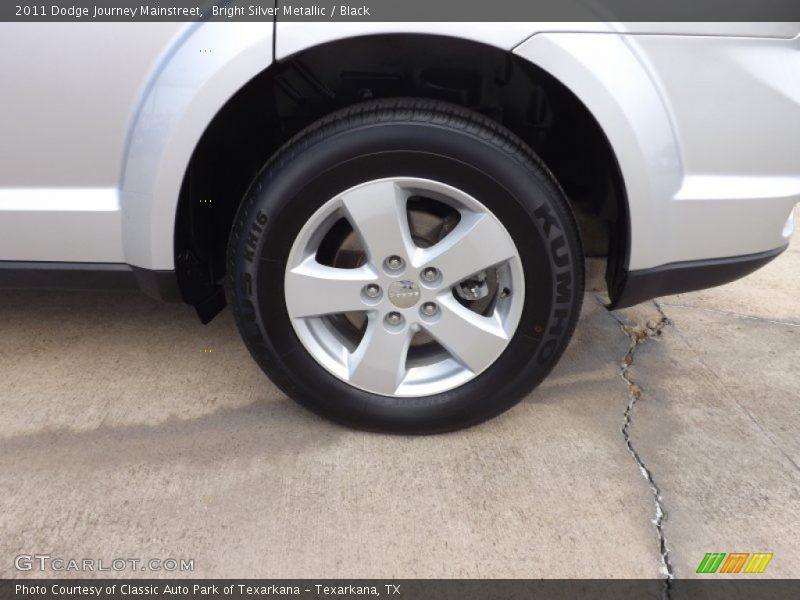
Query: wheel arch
{"type": "Point", "coordinates": [612, 78]}
{"type": "Point", "coordinates": [206, 64]}
{"type": "Point", "coordinates": [308, 84]}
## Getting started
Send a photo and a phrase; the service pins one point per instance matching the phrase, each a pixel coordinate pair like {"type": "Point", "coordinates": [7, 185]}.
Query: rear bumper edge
{"type": "Point", "coordinates": [687, 276]}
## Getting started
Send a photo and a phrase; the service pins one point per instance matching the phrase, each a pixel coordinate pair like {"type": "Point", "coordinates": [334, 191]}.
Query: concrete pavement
{"type": "Point", "coordinates": [127, 429]}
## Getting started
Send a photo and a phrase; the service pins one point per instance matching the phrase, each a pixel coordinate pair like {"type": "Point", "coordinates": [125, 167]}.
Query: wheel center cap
{"type": "Point", "coordinates": [403, 294]}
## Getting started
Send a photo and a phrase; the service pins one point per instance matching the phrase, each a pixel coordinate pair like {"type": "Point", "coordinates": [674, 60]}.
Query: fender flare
{"type": "Point", "coordinates": [205, 66]}
{"type": "Point", "coordinates": [607, 73]}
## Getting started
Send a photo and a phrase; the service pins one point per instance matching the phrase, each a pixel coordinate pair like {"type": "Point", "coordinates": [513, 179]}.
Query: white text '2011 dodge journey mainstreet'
{"type": "Point", "coordinates": [398, 213]}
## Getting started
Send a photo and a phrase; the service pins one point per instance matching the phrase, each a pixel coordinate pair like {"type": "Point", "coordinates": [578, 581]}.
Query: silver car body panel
{"type": "Point", "coordinates": [95, 136]}
{"type": "Point", "coordinates": [705, 129]}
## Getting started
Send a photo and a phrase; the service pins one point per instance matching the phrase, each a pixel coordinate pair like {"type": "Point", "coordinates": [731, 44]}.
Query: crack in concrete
{"type": "Point", "coordinates": [638, 334]}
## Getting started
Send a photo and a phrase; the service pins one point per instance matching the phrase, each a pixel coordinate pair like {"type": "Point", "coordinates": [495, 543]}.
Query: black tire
{"type": "Point", "coordinates": [415, 138]}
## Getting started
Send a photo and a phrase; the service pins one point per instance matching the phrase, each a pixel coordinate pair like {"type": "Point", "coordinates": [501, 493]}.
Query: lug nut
{"type": "Point", "coordinates": [394, 318]}
{"type": "Point", "coordinates": [430, 274]}
{"type": "Point", "coordinates": [429, 309]}
{"type": "Point", "coordinates": [372, 291]}
{"type": "Point", "coordinates": [394, 263]}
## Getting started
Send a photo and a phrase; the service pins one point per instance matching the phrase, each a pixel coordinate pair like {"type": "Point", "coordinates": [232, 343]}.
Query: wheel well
{"type": "Point", "coordinates": [293, 93]}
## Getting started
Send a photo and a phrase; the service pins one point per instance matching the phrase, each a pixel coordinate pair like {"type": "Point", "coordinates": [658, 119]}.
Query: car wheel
{"type": "Point", "coordinates": [405, 266]}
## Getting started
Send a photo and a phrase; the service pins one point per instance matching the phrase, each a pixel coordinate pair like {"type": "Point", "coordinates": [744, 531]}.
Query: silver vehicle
{"type": "Point", "coordinates": [398, 213]}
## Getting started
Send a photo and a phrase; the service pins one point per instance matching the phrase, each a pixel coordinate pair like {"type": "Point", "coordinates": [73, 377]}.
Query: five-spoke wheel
{"type": "Point", "coordinates": [405, 287]}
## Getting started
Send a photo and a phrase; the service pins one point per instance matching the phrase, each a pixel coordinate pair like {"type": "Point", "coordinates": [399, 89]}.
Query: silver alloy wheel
{"type": "Point", "coordinates": [467, 342]}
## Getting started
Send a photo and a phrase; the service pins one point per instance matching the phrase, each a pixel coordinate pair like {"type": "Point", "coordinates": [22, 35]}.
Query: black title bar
{"type": "Point", "coordinates": [403, 10]}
